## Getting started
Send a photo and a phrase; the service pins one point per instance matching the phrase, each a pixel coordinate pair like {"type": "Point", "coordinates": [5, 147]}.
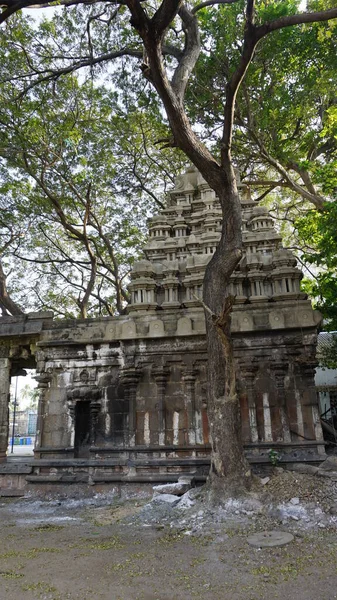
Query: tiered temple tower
{"type": "Point", "coordinates": [182, 239]}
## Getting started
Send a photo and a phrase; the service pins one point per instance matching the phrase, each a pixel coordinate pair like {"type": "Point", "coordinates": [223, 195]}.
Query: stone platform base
{"type": "Point", "coordinates": [136, 466]}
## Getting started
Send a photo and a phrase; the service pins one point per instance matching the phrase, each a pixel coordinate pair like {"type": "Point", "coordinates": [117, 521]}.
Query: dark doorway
{"type": "Point", "coordinates": [82, 429]}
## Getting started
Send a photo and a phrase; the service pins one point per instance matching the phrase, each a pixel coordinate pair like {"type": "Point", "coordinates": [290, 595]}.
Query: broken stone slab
{"type": "Point", "coordinates": [270, 539]}
{"type": "Point", "coordinates": [170, 499]}
{"type": "Point", "coordinates": [330, 464]}
{"type": "Point", "coordinates": [177, 489]}
{"type": "Point", "coordinates": [186, 501]}
{"type": "Point", "coordinates": [304, 469]}
{"type": "Point", "coordinates": [264, 480]}
{"type": "Point", "coordinates": [295, 500]}
{"type": "Point", "coordinates": [190, 479]}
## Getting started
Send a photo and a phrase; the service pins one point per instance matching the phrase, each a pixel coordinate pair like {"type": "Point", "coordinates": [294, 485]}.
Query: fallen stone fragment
{"type": "Point", "coordinates": [186, 501]}
{"type": "Point", "coordinates": [330, 464]}
{"type": "Point", "coordinates": [295, 500]}
{"type": "Point", "coordinates": [187, 479]}
{"type": "Point", "coordinates": [166, 498]}
{"type": "Point", "coordinates": [304, 468]}
{"type": "Point", "coordinates": [270, 539]}
{"type": "Point", "coordinates": [264, 480]}
{"type": "Point", "coordinates": [178, 489]}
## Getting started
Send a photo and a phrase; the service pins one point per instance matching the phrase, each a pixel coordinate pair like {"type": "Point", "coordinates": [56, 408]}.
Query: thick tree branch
{"type": "Point", "coordinates": [198, 7]}
{"type": "Point", "coordinates": [184, 136]}
{"type": "Point", "coordinates": [164, 16]}
{"type": "Point", "coordinates": [305, 178]}
{"type": "Point", "coordinates": [233, 85]}
{"type": "Point", "coordinates": [252, 36]}
{"type": "Point", "coordinates": [190, 54]}
{"type": "Point", "coordinates": [12, 6]}
{"type": "Point", "coordinates": [264, 183]}
{"type": "Point", "coordinates": [298, 19]}
{"type": "Point", "coordinates": [7, 305]}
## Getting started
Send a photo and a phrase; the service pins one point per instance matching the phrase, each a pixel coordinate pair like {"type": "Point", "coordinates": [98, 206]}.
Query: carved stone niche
{"type": "Point", "coordinates": [84, 406]}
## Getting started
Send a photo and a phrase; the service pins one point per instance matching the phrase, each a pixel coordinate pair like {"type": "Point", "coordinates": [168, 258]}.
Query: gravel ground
{"type": "Point", "coordinates": [112, 548]}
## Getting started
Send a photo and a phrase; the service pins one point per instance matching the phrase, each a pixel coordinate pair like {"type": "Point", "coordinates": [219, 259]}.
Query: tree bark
{"type": "Point", "coordinates": [230, 472]}
{"type": "Point", "coordinates": [7, 305]}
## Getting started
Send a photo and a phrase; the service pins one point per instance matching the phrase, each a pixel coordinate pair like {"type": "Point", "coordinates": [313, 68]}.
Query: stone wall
{"type": "Point", "coordinates": [110, 387]}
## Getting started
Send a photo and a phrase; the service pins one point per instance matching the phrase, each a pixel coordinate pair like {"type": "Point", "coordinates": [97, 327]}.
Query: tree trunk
{"type": "Point", "coordinates": [7, 305]}
{"type": "Point", "coordinates": [230, 472]}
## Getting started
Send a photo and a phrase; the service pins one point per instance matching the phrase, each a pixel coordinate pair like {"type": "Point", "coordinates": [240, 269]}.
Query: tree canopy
{"type": "Point", "coordinates": [82, 125]}
{"type": "Point", "coordinates": [284, 131]}
{"type": "Point", "coordinates": [77, 184]}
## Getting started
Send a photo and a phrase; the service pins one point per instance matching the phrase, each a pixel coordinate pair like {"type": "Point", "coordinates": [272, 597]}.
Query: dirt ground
{"type": "Point", "coordinates": [113, 549]}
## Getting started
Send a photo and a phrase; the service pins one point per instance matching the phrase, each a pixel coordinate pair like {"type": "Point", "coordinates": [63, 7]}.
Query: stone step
{"type": "Point", "coordinates": [58, 478]}
{"type": "Point", "coordinates": [11, 493]}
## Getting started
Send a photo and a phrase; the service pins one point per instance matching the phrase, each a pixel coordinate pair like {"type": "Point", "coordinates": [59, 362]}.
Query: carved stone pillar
{"type": "Point", "coordinates": [161, 374]}
{"type": "Point", "coordinates": [4, 399]}
{"type": "Point", "coordinates": [308, 402]}
{"type": "Point", "coordinates": [130, 378]}
{"type": "Point", "coordinates": [189, 378]}
{"type": "Point", "coordinates": [95, 407]}
{"type": "Point", "coordinates": [280, 371]}
{"type": "Point", "coordinates": [248, 406]}
{"type": "Point", "coordinates": [43, 381]}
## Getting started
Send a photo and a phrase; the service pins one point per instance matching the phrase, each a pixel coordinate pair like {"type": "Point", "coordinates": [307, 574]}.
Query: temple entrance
{"type": "Point", "coordinates": [22, 412]}
{"type": "Point", "coordinates": [82, 429]}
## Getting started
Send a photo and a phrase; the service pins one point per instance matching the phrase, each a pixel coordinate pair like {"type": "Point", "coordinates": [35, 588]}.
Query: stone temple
{"type": "Point", "coordinates": [124, 398]}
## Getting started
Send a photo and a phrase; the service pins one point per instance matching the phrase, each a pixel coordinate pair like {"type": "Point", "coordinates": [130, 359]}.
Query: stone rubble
{"type": "Point", "coordinates": [293, 499]}
{"type": "Point", "coordinates": [328, 468]}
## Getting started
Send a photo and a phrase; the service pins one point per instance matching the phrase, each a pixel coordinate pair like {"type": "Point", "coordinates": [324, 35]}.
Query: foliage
{"type": "Point", "coordinates": [285, 116]}
{"type": "Point", "coordinates": [327, 353]}
{"type": "Point", "coordinates": [28, 396]}
{"type": "Point", "coordinates": [319, 230]}
{"type": "Point", "coordinates": [274, 457]}
{"type": "Point", "coordinates": [79, 175]}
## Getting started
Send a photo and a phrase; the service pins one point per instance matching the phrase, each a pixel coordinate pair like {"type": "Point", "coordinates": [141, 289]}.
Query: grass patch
{"type": "Point", "coordinates": [36, 551]}
{"type": "Point", "coordinates": [39, 586]}
{"type": "Point", "coordinates": [11, 575]}
{"type": "Point", "coordinates": [170, 538]}
{"type": "Point", "coordinates": [107, 544]}
{"type": "Point", "coordinates": [10, 554]}
{"type": "Point", "coordinates": [48, 527]}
